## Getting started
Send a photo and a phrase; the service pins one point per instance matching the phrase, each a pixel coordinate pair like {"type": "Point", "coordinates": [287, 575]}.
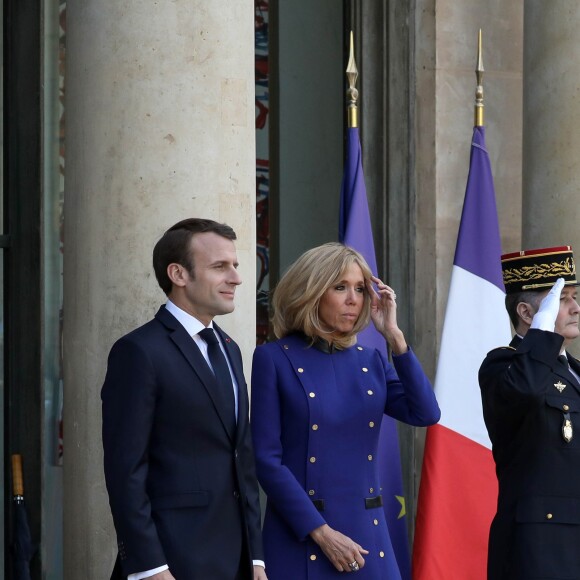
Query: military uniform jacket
{"type": "Point", "coordinates": [315, 424]}
{"type": "Point", "coordinates": [181, 479]}
{"type": "Point", "coordinates": [531, 407]}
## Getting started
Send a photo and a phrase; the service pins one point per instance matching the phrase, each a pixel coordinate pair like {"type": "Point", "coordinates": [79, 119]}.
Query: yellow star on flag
{"type": "Point", "coordinates": [403, 511]}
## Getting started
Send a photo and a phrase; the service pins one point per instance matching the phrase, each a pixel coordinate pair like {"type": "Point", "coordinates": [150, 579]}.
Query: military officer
{"type": "Point", "coordinates": [531, 404]}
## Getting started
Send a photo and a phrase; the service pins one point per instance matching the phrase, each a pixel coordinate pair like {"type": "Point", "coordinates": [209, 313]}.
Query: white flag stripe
{"type": "Point", "coordinates": [475, 323]}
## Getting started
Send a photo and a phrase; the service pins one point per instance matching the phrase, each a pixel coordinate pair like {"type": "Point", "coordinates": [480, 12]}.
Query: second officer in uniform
{"type": "Point", "coordinates": [531, 404]}
{"type": "Point", "coordinates": [318, 398]}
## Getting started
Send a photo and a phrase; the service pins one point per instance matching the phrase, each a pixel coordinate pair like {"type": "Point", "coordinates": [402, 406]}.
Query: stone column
{"type": "Point", "coordinates": [446, 51]}
{"type": "Point", "coordinates": [160, 126]}
{"type": "Point", "coordinates": [551, 164]}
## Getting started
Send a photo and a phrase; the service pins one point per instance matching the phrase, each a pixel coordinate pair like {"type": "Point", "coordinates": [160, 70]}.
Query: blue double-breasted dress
{"type": "Point", "coordinates": [315, 423]}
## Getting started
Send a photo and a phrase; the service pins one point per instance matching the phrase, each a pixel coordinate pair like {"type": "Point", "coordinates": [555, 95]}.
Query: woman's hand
{"type": "Point", "coordinates": [339, 549]}
{"type": "Point", "coordinates": [384, 315]}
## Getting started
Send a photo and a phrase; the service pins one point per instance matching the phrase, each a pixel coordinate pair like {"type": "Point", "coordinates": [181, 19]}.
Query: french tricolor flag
{"type": "Point", "coordinates": [458, 493]}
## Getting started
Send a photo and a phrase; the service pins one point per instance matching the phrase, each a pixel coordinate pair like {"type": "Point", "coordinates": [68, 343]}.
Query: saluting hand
{"type": "Point", "coordinates": [384, 315]}
{"type": "Point", "coordinates": [545, 317]}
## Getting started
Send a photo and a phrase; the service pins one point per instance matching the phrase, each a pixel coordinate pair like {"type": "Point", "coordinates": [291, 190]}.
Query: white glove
{"type": "Point", "coordinates": [545, 317]}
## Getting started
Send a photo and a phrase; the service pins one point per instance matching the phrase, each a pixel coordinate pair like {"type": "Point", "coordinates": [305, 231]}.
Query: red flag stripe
{"type": "Point", "coordinates": [458, 498]}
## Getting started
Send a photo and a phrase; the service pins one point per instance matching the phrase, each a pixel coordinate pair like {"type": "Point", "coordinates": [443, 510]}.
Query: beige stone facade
{"type": "Point", "coordinates": [160, 125]}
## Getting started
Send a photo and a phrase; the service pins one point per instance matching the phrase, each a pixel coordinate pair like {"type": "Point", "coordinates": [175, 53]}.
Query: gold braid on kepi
{"type": "Point", "coordinates": [538, 269]}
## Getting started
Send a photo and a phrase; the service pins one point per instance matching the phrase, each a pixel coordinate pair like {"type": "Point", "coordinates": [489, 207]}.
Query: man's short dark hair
{"type": "Point", "coordinates": [532, 297]}
{"type": "Point", "coordinates": [174, 246]}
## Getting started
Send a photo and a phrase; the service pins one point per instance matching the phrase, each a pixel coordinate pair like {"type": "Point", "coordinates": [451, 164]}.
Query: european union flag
{"type": "Point", "coordinates": [355, 231]}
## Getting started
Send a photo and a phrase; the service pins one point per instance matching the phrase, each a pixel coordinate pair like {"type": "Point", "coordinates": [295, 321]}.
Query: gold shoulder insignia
{"type": "Point", "coordinates": [501, 348]}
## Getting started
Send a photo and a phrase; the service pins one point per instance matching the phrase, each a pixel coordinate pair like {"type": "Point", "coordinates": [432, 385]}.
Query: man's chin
{"type": "Point", "coordinates": [226, 308]}
{"type": "Point", "coordinates": [571, 334]}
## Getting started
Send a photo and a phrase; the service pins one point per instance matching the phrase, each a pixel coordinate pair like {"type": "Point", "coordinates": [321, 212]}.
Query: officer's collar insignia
{"type": "Point", "coordinates": [560, 386]}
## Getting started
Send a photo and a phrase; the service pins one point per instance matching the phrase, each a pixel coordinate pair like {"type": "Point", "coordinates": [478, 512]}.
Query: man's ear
{"type": "Point", "coordinates": [525, 312]}
{"type": "Point", "coordinates": [177, 274]}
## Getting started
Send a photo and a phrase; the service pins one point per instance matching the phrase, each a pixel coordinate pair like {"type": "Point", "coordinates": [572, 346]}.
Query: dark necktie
{"type": "Point", "coordinates": [221, 372]}
{"type": "Point", "coordinates": [564, 360]}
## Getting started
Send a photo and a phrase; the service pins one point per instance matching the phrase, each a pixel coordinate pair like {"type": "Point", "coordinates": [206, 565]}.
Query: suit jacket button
{"type": "Point", "coordinates": [237, 494]}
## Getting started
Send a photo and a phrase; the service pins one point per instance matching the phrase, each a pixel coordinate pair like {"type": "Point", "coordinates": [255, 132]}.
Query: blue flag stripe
{"type": "Point", "coordinates": [478, 242]}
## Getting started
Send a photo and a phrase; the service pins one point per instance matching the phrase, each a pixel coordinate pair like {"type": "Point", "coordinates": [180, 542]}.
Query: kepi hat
{"type": "Point", "coordinates": [538, 269]}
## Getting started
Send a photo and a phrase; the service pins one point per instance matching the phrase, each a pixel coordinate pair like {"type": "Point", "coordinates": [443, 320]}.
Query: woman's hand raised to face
{"type": "Point", "coordinates": [384, 315]}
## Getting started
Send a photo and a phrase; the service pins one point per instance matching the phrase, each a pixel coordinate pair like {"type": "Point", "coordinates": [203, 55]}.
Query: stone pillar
{"type": "Point", "coordinates": [160, 126]}
{"type": "Point", "coordinates": [551, 164]}
{"type": "Point", "coordinates": [446, 53]}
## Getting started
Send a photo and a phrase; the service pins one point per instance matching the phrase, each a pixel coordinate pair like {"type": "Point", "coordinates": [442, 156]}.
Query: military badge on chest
{"type": "Point", "coordinates": [560, 386]}
{"type": "Point", "coordinates": [567, 428]}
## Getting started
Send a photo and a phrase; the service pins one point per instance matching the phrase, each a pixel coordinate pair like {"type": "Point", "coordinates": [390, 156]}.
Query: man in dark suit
{"type": "Point", "coordinates": [178, 459]}
{"type": "Point", "coordinates": [531, 404]}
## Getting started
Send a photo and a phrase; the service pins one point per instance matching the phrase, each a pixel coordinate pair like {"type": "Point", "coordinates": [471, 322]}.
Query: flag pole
{"type": "Point", "coordinates": [456, 507]}
{"type": "Point", "coordinates": [352, 92]}
{"type": "Point", "coordinates": [478, 121]}
{"type": "Point", "coordinates": [355, 230]}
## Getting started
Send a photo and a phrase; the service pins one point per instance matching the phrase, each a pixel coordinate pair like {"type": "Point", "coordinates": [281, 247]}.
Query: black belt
{"type": "Point", "coordinates": [370, 503]}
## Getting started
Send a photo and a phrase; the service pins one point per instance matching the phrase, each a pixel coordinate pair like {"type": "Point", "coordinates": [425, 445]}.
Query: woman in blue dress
{"type": "Point", "coordinates": [318, 398]}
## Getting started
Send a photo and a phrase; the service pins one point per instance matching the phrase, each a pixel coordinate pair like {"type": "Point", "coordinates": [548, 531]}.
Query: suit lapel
{"type": "Point", "coordinates": [232, 355]}
{"type": "Point", "coordinates": [191, 352]}
{"type": "Point", "coordinates": [236, 364]}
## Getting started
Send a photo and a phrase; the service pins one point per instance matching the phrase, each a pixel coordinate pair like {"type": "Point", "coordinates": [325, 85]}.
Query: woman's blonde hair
{"type": "Point", "coordinates": [298, 294]}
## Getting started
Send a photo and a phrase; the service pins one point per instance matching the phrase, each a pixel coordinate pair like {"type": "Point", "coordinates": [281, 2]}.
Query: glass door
{"type": "Point", "coordinates": [20, 270]}
{"type": "Point", "coordinates": [53, 163]}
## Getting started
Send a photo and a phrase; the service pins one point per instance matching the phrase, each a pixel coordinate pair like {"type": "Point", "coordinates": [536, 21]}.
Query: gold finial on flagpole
{"type": "Point", "coordinates": [352, 93]}
{"type": "Point", "coordinates": [478, 122]}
